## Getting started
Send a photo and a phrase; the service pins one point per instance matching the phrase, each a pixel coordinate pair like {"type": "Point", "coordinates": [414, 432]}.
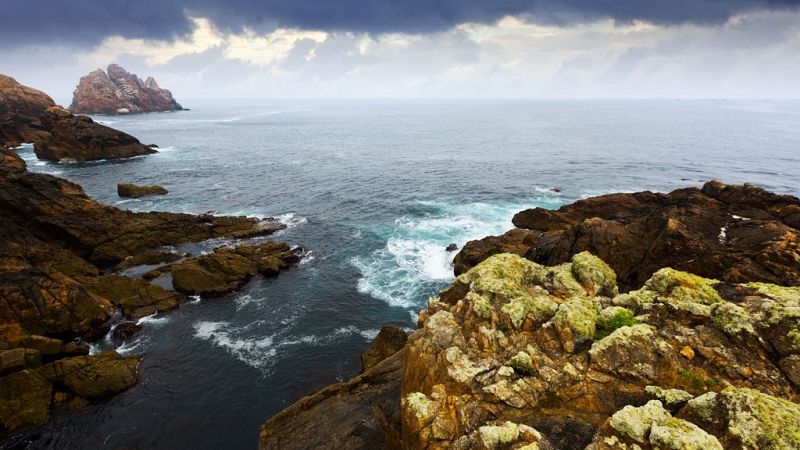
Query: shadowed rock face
{"type": "Point", "coordinates": [56, 244]}
{"type": "Point", "coordinates": [120, 92]}
{"type": "Point", "coordinates": [28, 115]}
{"type": "Point", "coordinates": [731, 232]}
{"type": "Point", "coordinates": [134, 191]}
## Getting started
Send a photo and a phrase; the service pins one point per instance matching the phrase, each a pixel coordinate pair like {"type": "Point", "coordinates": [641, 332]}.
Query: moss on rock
{"type": "Point", "coordinates": [580, 314]}
{"type": "Point", "coordinates": [732, 318]}
{"type": "Point", "coordinates": [761, 421]}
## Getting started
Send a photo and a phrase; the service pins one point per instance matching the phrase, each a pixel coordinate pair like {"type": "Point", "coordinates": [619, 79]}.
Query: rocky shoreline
{"type": "Point", "coordinates": [117, 91]}
{"type": "Point", "coordinates": [61, 257]}
{"type": "Point", "coordinates": [533, 346]}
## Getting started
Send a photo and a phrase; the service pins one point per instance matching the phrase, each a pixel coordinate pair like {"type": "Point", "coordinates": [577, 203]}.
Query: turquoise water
{"type": "Point", "coordinates": [374, 192]}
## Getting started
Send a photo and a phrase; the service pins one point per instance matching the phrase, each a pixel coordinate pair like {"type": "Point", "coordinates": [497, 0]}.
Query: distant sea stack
{"type": "Point", "coordinates": [118, 91]}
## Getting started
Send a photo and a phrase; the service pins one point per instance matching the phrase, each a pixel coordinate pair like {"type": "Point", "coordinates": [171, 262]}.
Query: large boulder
{"type": "Point", "coordinates": [732, 232]}
{"type": "Point", "coordinates": [120, 92]}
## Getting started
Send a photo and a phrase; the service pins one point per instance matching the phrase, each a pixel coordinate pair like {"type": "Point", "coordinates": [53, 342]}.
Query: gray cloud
{"type": "Point", "coordinates": [86, 22]}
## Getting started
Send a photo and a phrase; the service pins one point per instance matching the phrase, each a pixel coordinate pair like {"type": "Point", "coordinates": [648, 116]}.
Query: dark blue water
{"type": "Point", "coordinates": [374, 191]}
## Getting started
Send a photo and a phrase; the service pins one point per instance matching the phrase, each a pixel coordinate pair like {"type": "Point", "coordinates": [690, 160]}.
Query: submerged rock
{"type": "Point", "coordinates": [134, 191]}
{"type": "Point", "coordinates": [640, 233]}
{"type": "Point", "coordinates": [120, 92]}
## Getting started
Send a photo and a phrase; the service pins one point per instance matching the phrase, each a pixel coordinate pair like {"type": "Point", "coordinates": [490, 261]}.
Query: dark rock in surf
{"type": "Point", "coordinates": [135, 191]}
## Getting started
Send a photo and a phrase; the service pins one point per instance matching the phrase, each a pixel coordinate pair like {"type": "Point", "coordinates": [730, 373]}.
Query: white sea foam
{"type": "Point", "coordinates": [291, 220]}
{"type": "Point", "coordinates": [414, 263]}
{"type": "Point", "coordinates": [258, 353]}
{"type": "Point", "coordinates": [153, 320]}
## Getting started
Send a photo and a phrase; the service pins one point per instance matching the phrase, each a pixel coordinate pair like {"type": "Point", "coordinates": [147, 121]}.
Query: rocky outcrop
{"type": "Point", "coordinates": [28, 115]}
{"type": "Point", "coordinates": [389, 341]}
{"type": "Point", "coordinates": [732, 232]}
{"type": "Point", "coordinates": [362, 413]}
{"type": "Point", "coordinates": [57, 247]}
{"type": "Point", "coordinates": [516, 354]}
{"type": "Point", "coordinates": [134, 191]}
{"type": "Point", "coordinates": [229, 268]}
{"type": "Point", "coordinates": [525, 353]}
{"type": "Point", "coordinates": [120, 92]}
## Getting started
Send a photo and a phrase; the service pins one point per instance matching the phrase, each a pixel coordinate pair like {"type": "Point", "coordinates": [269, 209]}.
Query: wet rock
{"type": "Point", "coordinates": [452, 247]}
{"type": "Point", "coordinates": [123, 331]}
{"type": "Point", "coordinates": [229, 268]}
{"type": "Point", "coordinates": [152, 257]}
{"type": "Point", "coordinates": [639, 233]}
{"type": "Point", "coordinates": [389, 341]}
{"type": "Point", "coordinates": [359, 413]}
{"type": "Point", "coordinates": [120, 92]}
{"type": "Point", "coordinates": [93, 377]}
{"type": "Point", "coordinates": [25, 398]}
{"type": "Point", "coordinates": [134, 191]}
{"type": "Point", "coordinates": [18, 359]}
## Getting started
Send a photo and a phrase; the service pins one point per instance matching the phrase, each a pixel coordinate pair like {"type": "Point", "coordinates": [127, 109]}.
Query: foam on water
{"type": "Point", "coordinates": [257, 353]}
{"type": "Point", "coordinates": [414, 263]}
{"type": "Point", "coordinates": [153, 320]}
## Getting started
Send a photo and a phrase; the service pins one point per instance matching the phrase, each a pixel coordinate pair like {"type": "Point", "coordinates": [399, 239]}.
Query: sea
{"type": "Point", "coordinates": [373, 191]}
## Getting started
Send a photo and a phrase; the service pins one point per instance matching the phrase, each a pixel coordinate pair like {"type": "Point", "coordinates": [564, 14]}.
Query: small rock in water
{"type": "Point", "coordinates": [452, 247]}
{"type": "Point", "coordinates": [125, 330]}
{"type": "Point", "coordinates": [134, 191]}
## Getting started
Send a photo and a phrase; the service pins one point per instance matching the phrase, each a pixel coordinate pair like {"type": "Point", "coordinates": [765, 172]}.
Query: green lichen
{"type": "Point", "coordinates": [579, 314]}
{"type": "Point", "coordinates": [591, 270]}
{"type": "Point", "coordinates": [622, 336]}
{"type": "Point", "coordinates": [607, 325]}
{"type": "Point", "coordinates": [794, 340]}
{"type": "Point", "coordinates": [787, 295]}
{"type": "Point", "coordinates": [570, 370]}
{"type": "Point", "coordinates": [635, 299]}
{"type": "Point", "coordinates": [480, 305]}
{"type": "Point", "coordinates": [761, 421]}
{"type": "Point", "coordinates": [433, 302]}
{"type": "Point", "coordinates": [419, 404]}
{"type": "Point", "coordinates": [559, 280]}
{"type": "Point", "coordinates": [493, 436]}
{"type": "Point", "coordinates": [732, 319]}
{"type": "Point", "coordinates": [684, 291]}
{"type": "Point", "coordinates": [496, 271]}
{"type": "Point", "coordinates": [634, 422]}
{"type": "Point", "coordinates": [669, 396]}
{"type": "Point", "coordinates": [703, 406]}
{"type": "Point", "coordinates": [677, 434]}
{"type": "Point", "coordinates": [461, 368]}
{"type": "Point", "coordinates": [539, 307]}
{"type": "Point", "coordinates": [523, 364]}
{"type": "Point", "coordinates": [697, 379]}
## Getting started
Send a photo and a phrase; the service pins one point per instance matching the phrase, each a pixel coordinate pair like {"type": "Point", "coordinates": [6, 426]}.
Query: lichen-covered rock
{"type": "Point", "coordinates": [746, 418]}
{"type": "Point", "coordinates": [515, 342]}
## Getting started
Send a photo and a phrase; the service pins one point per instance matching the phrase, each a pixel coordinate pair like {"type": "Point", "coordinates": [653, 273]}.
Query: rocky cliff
{"type": "Point", "coordinates": [58, 256]}
{"type": "Point", "coordinates": [518, 354]}
{"type": "Point", "coordinates": [29, 115]}
{"type": "Point", "coordinates": [119, 92]}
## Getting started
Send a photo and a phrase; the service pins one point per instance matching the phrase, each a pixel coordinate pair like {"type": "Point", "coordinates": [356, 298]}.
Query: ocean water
{"type": "Point", "coordinates": [373, 191]}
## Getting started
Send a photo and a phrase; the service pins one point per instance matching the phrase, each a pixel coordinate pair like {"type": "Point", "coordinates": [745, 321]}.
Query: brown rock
{"type": "Point", "coordinates": [28, 115]}
{"type": "Point", "coordinates": [93, 377]}
{"type": "Point", "coordinates": [362, 413]}
{"type": "Point", "coordinates": [229, 268]}
{"type": "Point", "coordinates": [120, 92]}
{"type": "Point", "coordinates": [134, 191]}
{"type": "Point", "coordinates": [24, 400]}
{"type": "Point", "coordinates": [18, 359]}
{"type": "Point", "coordinates": [732, 232]}
{"type": "Point", "coordinates": [388, 342]}
{"type": "Point", "coordinates": [124, 331]}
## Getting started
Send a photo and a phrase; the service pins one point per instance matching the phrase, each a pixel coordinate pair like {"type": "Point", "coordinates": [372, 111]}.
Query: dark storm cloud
{"type": "Point", "coordinates": [86, 22]}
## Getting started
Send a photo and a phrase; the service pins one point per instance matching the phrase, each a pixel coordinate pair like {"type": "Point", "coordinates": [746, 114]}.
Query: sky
{"type": "Point", "coordinates": [413, 48]}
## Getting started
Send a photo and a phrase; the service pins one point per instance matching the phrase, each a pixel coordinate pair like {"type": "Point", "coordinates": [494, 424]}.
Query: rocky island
{"type": "Point", "coordinates": [117, 91]}
{"type": "Point", "coordinates": [31, 116]}
{"type": "Point", "coordinates": [541, 344]}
